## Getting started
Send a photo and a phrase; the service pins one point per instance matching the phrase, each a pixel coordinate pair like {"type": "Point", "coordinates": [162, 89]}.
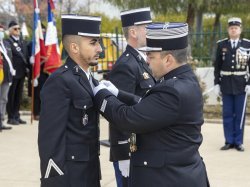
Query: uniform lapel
{"type": "Point", "coordinates": [80, 75]}
{"type": "Point", "coordinates": [139, 59]}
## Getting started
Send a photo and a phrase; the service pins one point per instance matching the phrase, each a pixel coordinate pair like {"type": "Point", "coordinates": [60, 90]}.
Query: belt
{"type": "Point", "coordinates": [228, 73]}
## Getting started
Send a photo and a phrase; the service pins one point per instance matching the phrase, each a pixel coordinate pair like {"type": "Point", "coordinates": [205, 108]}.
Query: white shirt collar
{"type": "Point", "coordinates": [87, 73]}
{"type": "Point", "coordinates": [16, 38]}
{"type": "Point", "coordinates": [142, 54]}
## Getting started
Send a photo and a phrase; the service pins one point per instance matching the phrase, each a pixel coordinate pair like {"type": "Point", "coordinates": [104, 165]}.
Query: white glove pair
{"type": "Point", "coordinates": [247, 89]}
{"type": "Point", "coordinates": [217, 90]}
{"type": "Point", "coordinates": [124, 167]}
{"type": "Point", "coordinates": [106, 85]}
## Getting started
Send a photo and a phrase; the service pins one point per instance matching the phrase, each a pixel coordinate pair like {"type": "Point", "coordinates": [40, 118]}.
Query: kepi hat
{"type": "Point", "coordinates": [234, 21]}
{"type": "Point", "coordinates": [81, 25]}
{"type": "Point", "coordinates": [166, 36]}
{"type": "Point", "coordinates": [136, 17]}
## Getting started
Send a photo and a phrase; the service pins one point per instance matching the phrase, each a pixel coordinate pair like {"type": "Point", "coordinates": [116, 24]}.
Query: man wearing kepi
{"type": "Point", "coordinates": [132, 74]}
{"type": "Point", "coordinates": [68, 137]}
{"type": "Point", "coordinates": [167, 119]}
{"type": "Point", "coordinates": [231, 79]}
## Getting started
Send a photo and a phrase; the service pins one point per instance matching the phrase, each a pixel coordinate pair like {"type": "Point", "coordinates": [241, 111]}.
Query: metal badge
{"type": "Point", "coordinates": [18, 49]}
{"type": "Point", "coordinates": [15, 44]}
{"type": "Point", "coordinates": [132, 139]}
{"type": "Point", "coordinates": [85, 119]}
{"type": "Point", "coordinates": [145, 75]}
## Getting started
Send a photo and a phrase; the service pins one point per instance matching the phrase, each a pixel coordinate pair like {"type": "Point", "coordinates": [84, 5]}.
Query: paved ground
{"type": "Point", "coordinates": [19, 161]}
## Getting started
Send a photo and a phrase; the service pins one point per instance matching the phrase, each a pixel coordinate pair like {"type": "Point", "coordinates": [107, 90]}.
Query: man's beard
{"type": "Point", "coordinates": [93, 63]}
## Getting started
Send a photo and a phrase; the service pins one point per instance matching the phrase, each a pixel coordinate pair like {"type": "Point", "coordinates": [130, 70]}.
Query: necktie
{"type": "Point", "coordinates": [234, 44]}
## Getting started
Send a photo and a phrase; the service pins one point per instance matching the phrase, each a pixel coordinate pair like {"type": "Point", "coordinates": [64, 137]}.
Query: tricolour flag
{"type": "Point", "coordinates": [51, 42]}
{"type": "Point", "coordinates": [38, 48]}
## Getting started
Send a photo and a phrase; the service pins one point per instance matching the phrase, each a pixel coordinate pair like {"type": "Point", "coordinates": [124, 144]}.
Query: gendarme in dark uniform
{"type": "Point", "coordinates": [167, 119]}
{"type": "Point", "coordinates": [231, 74]}
{"type": "Point", "coordinates": [68, 136]}
{"type": "Point", "coordinates": [132, 74]}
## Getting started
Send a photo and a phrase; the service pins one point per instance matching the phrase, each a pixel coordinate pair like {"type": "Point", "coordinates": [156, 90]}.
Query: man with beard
{"type": "Point", "coordinates": [68, 136]}
{"type": "Point", "coordinates": [132, 74]}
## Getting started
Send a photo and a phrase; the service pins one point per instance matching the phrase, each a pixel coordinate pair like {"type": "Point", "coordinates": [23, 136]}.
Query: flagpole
{"type": "Point", "coordinates": [32, 96]}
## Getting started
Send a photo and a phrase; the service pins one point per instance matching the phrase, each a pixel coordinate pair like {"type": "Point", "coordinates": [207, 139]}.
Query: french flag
{"type": "Point", "coordinates": [51, 42]}
{"type": "Point", "coordinates": [38, 48]}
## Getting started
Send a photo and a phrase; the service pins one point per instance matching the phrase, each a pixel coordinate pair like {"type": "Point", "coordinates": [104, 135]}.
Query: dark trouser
{"type": "Point", "coordinates": [232, 113]}
{"type": "Point", "coordinates": [120, 180]}
{"type": "Point", "coordinates": [14, 98]}
{"type": "Point", "coordinates": [37, 101]}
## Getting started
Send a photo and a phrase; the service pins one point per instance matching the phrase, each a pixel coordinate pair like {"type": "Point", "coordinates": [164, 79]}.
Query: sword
{"type": "Point", "coordinates": [243, 112]}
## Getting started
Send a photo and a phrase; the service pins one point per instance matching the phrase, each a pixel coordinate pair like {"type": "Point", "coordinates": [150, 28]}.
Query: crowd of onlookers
{"type": "Point", "coordinates": [16, 65]}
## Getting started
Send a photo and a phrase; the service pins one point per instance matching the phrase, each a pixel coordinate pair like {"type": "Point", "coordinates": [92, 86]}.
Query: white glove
{"type": "Point", "coordinates": [98, 88]}
{"type": "Point", "coordinates": [124, 167]}
{"type": "Point", "coordinates": [217, 90]}
{"type": "Point", "coordinates": [35, 84]}
{"type": "Point", "coordinates": [247, 89]}
{"type": "Point", "coordinates": [111, 87]}
{"type": "Point", "coordinates": [13, 72]}
{"type": "Point", "coordinates": [32, 60]}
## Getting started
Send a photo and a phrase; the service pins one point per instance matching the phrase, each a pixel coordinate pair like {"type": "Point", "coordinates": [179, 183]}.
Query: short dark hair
{"type": "Point", "coordinates": [180, 55]}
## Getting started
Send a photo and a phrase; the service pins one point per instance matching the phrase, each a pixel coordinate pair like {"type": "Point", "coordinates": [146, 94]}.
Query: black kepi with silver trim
{"type": "Point", "coordinates": [136, 17]}
{"type": "Point", "coordinates": [81, 25]}
{"type": "Point", "coordinates": [166, 36]}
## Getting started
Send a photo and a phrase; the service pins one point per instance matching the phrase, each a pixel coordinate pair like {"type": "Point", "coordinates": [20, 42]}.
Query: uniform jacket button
{"type": "Point", "coordinates": [72, 157]}
{"type": "Point", "coordinates": [145, 163]}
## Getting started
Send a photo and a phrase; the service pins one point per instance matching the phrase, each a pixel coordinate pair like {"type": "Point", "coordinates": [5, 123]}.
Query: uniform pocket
{"type": "Point", "coordinates": [154, 159]}
{"type": "Point", "coordinates": [79, 152]}
{"type": "Point", "coordinates": [83, 104]}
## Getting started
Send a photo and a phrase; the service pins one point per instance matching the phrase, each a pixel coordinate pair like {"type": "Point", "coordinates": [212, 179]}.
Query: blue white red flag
{"type": "Point", "coordinates": [38, 48]}
{"type": "Point", "coordinates": [51, 42]}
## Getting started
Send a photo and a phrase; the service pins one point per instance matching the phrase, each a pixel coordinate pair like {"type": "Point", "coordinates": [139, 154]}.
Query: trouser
{"type": "Point", "coordinates": [120, 180]}
{"type": "Point", "coordinates": [4, 89]}
{"type": "Point", "coordinates": [14, 98]}
{"type": "Point", "coordinates": [232, 114]}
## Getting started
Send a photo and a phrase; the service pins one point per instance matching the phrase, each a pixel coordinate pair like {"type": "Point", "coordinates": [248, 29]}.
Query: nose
{"type": "Point", "coordinates": [99, 49]}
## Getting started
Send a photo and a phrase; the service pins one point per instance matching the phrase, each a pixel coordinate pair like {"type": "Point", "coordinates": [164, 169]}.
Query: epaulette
{"type": "Point", "coordinates": [222, 40]}
{"type": "Point", "coordinates": [63, 68]}
{"type": "Point", "coordinates": [246, 39]}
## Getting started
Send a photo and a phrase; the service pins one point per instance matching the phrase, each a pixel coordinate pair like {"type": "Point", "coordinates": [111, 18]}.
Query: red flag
{"type": "Point", "coordinates": [51, 42]}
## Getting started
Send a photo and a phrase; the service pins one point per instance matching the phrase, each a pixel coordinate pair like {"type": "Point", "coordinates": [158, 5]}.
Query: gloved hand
{"type": "Point", "coordinates": [124, 167]}
{"type": "Point", "coordinates": [98, 88]}
{"type": "Point", "coordinates": [32, 60]}
{"type": "Point", "coordinates": [111, 87]}
{"type": "Point", "coordinates": [13, 72]}
{"type": "Point", "coordinates": [247, 89]}
{"type": "Point", "coordinates": [217, 90]}
{"type": "Point", "coordinates": [35, 84]}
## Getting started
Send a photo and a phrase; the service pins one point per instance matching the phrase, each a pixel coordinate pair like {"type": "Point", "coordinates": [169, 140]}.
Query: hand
{"type": "Point", "coordinates": [32, 60]}
{"type": "Point", "coordinates": [111, 87]}
{"type": "Point", "coordinates": [247, 89]}
{"type": "Point", "coordinates": [217, 90]}
{"type": "Point", "coordinates": [13, 72]}
{"type": "Point", "coordinates": [124, 167]}
{"type": "Point", "coordinates": [98, 88]}
{"type": "Point", "coordinates": [35, 84]}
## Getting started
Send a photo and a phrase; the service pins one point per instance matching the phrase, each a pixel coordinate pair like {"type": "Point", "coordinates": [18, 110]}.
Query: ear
{"type": "Point", "coordinates": [74, 48]}
{"type": "Point", "coordinates": [167, 60]}
{"type": "Point", "coordinates": [133, 32]}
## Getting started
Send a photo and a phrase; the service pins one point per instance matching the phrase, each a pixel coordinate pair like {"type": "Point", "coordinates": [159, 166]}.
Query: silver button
{"type": "Point", "coordinates": [174, 77]}
{"type": "Point", "coordinates": [232, 67]}
{"type": "Point", "coordinates": [72, 157]}
{"type": "Point", "coordinates": [145, 163]}
{"type": "Point", "coordinates": [233, 55]}
{"type": "Point", "coordinates": [232, 61]}
{"type": "Point", "coordinates": [150, 86]}
{"type": "Point", "coordinates": [66, 66]}
{"type": "Point", "coordinates": [127, 54]}
{"type": "Point", "coordinates": [85, 106]}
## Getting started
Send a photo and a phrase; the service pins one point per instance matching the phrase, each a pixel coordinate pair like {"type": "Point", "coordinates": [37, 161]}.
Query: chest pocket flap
{"type": "Point", "coordinates": [78, 152]}
{"type": "Point", "coordinates": [155, 159]}
{"type": "Point", "coordinates": [83, 104]}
